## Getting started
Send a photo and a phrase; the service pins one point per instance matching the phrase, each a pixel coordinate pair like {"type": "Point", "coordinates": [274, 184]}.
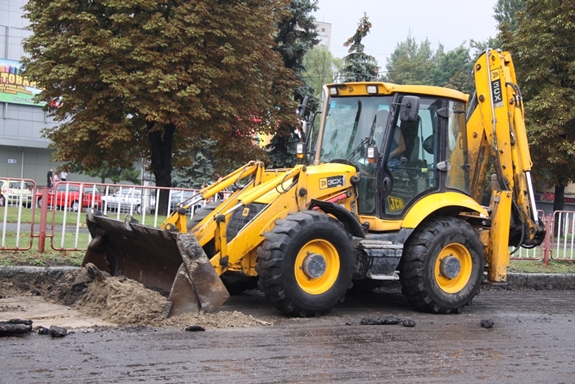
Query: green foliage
{"type": "Point", "coordinates": [481, 46]}
{"type": "Point", "coordinates": [134, 74]}
{"type": "Point", "coordinates": [321, 68]}
{"type": "Point", "coordinates": [358, 65]}
{"type": "Point", "coordinates": [505, 11]}
{"type": "Point", "coordinates": [544, 60]}
{"type": "Point", "coordinates": [411, 63]}
{"type": "Point", "coordinates": [115, 174]}
{"type": "Point", "coordinates": [201, 170]}
{"type": "Point", "coordinates": [283, 151]}
{"type": "Point", "coordinates": [453, 69]}
{"type": "Point", "coordinates": [297, 35]}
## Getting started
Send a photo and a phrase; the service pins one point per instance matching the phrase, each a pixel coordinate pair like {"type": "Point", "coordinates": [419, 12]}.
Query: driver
{"type": "Point", "coordinates": [397, 142]}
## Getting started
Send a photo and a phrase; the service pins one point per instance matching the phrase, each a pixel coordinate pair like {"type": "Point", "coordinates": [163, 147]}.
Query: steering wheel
{"type": "Point", "coordinates": [341, 161]}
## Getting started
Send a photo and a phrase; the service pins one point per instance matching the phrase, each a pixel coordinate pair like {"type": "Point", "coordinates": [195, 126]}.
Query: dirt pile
{"type": "Point", "coordinates": [115, 299]}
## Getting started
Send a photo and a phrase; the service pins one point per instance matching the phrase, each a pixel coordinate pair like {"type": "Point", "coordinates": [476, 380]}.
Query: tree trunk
{"type": "Point", "coordinates": [161, 142]}
{"type": "Point", "coordinates": [558, 205]}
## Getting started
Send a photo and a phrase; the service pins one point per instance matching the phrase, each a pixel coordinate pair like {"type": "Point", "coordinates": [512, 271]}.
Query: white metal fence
{"type": "Point", "coordinates": [58, 215]}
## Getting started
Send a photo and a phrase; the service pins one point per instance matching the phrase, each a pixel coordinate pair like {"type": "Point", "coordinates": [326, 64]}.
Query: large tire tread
{"type": "Point", "coordinates": [274, 280]}
{"type": "Point", "coordinates": [415, 265]}
{"type": "Point", "coordinates": [201, 213]}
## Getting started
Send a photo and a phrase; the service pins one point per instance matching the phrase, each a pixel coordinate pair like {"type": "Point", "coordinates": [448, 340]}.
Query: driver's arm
{"type": "Point", "coordinates": [400, 145]}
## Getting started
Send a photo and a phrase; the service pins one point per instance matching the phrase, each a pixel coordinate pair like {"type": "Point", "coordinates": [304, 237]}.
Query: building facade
{"type": "Point", "coordinates": [324, 33]}
{"type": "Point", "coordinates": [24, 152]}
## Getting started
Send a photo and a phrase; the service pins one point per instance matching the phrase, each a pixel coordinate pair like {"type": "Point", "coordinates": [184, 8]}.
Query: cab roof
{"type": "Point", "coordinates": [381, 88]}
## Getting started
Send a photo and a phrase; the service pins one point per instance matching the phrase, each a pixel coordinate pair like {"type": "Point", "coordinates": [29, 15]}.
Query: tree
{"type": "Point", "coordinates": [505, 11]}
{"type": "Point", "coordinates": [482, 46]}
{"type": "Point", "coordinates": [115, 174]}
{"type": "Point", "coordinates": [135, 78]}
{"type": "Point", "coordinates": [453, 69]}
{"type": "Point", "coordinates": [321, 68]}
{"type": "Point", "coordinates": [545, 64]}
{"type": "Point", "coordinates": [296, 36]}
{"type": "Point", "coordinates": [200, 169]}
{"type": "Point", "coordinates": [358, 65]}
{"type": "Point", "coordinates": [411, 63]}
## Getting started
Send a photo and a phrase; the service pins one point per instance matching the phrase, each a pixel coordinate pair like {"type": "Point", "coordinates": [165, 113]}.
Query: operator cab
{"type": "Point", "coordinates": [406, 142]}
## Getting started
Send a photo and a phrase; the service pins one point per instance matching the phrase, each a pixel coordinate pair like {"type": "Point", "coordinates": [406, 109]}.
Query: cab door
{"type": "Point", "coordinates": [413, 173]}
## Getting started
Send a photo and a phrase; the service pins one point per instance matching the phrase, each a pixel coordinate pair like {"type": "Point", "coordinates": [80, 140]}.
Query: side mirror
{"type": "Point", "coordinates": [409, 109]}
{"type": "Point", "coordinates": [302, 107]}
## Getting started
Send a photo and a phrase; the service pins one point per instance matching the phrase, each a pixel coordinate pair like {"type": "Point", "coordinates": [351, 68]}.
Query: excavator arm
{"type": "Point", "coordinates": [496, 130]}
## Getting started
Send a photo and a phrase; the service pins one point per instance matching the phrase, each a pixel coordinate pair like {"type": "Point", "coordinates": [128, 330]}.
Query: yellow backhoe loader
{"type": "Point", "coordinates": [390, 187]}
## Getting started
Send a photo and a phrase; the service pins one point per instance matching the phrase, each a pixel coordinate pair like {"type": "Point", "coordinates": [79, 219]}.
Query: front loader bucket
{"type": "Point", "coordinates": [162, 260]}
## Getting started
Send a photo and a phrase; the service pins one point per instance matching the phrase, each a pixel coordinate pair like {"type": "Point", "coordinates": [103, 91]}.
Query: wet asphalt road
{"type": "Point", "coordinates": [532, 341]}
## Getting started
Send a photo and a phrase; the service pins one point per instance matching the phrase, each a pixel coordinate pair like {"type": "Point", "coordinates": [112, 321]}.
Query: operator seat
{"type": "Point", "coordinates": [409, 129]}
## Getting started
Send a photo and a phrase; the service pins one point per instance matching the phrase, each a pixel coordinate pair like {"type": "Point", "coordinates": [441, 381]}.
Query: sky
{"type": "Point", "coordinates": [447, 22]}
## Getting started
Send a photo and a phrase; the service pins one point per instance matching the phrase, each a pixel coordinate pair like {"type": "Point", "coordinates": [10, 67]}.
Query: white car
{"type": "Point", "coordinates": [130, 200]}
{"type": "Point", "coordinates": [11, 192]}
{"type": "Point", "coordinates": [191, 198]}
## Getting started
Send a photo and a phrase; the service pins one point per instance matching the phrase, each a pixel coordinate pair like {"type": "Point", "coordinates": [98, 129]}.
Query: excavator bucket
{"type": "Point", "coordinates": [162, 260]}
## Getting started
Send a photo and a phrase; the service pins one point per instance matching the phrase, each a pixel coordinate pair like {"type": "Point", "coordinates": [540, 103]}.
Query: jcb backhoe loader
{"type": "Point", "coordinates": [390, 187]}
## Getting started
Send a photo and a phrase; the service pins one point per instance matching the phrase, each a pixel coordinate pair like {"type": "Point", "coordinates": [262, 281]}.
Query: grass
{"type": "Point", "coordinates": [71, 217]}
{"type": "Point", "coordinates": [69, 252]}
{"type": "Point", "coordinates": [529, 266]}
{"type": "Point", "coordinates": [50, 258]}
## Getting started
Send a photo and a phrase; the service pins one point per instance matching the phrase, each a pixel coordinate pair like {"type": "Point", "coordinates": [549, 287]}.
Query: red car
{"type": "Point", "coordinates": [68, 195]}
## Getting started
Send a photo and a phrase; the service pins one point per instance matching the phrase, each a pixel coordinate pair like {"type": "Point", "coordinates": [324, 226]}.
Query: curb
{"type": "Point", "coordinates": [543, 281]}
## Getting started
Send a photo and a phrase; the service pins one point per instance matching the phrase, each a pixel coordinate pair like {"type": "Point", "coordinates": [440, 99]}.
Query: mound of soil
{"type": "Point", "coordinates": [114, 299]}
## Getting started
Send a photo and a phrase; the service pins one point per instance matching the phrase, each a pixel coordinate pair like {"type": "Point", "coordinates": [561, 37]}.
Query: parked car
{"type": "Point", "coordinates": [185, 197]}
{"type": "Point", "coordinates": [129, 200]}
{"type": "Point", "coordinates": [11, 192]}
{"type": "Point", "coordinates": [68, 195]}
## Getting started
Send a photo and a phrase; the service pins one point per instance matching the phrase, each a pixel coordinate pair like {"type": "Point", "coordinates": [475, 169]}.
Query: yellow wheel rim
{"type": "Point", "coordinates": [453, 268]}
{"type": "Point", "coordinates": [317, 249]}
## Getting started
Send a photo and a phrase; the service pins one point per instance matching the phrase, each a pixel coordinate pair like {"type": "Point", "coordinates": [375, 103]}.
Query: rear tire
{"type": "Point", "coordinates": [200, 214]}
{"type": "Point", "coordinates": [75, 206]}
{"type": "Point", "coordinates": [2, 201]}
{"type": "Point", "coordinates": [296, 283]}
{"type": "Point", "coordinates": [442, 266]}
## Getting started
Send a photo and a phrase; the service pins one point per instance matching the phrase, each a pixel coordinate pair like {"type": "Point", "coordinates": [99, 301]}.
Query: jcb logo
{"type": "Point", "coordinates": [394, 204]}
{"type": "Point", "coordinates": [331, 182]}
{"type": "Point", "coordinates": [494, 75]}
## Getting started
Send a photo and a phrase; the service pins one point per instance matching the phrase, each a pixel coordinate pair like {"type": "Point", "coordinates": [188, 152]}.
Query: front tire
{"type": "Point", "coordinates": [306, 263]}
{"type": "Point", "coordinates": [442, 266]}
